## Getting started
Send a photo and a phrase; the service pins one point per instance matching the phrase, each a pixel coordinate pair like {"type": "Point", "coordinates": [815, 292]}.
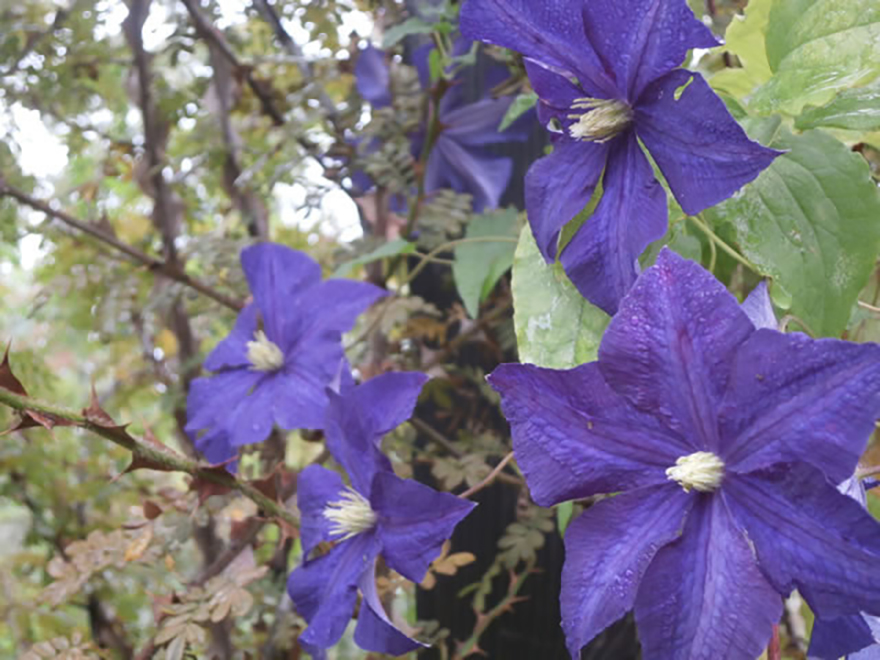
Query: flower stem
{"type": "Point", "coordinates": [714, 238]}
{"type": "Point", "coordinates": [147, 454]}
{"type": "Point", "coordinates": [427, 258]}
{"type": "Point", "coordinates": [774, 649]}
{"type": "Point", "coordinates": [489, 478]}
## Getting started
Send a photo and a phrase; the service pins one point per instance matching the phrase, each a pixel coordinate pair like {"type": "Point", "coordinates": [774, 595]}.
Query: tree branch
{"type": "Point", "coordinates": [154, 264]}
{"type": "Point", "coordinates": [150, 455]}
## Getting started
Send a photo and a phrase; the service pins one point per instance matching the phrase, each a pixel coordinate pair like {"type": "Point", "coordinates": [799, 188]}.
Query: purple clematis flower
{"type": "Point", "coordinates": [284, 350]}
{"type": "Point", "coordinates": [605, 73]}
{"type": "Point", "coordinates": [459, 158]}
{"type": "Point", "coordinates": [858, 636]}
{"type": "Point", "coordinates": [723, 441]}
{"type": "Point", "coordinates": [379, 513]}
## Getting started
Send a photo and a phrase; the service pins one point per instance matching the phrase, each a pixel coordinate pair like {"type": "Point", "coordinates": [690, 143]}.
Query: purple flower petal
{"type": "Point", "coordinates": [835, 638]}
{"type": "Point", "coordinates": [372, 78]}
{"type": "Point", "coordinates": [476, 124]}
{"type": "Point", "coordinates": [356, 421]}
{"type": "Point", "coordinates": [232, 351]}
{"type": "Point", "coordinates": [299, 394]}
{"type": "Point", "coordinates": [809, 536]}
{"type": "Point", "coordinates": [759, 308]}
{"type": "Point", "coordinates": [550, 31]}
{"type": "Point", "coordinates": [559, 186]}
{"type": "Point", "coordinates": [574, 437]}
{"type": "Point", "coordinates": [602, 257]}
{"type": "Point", "coordinates": [471, 171]}
{"type": "Point", "coordinates": [374, 631]}
{"type": "Point", "coordinates": [312, 314]}
{"type": "Point", "coordinates": [702, 151]}
{"type": "Point", "coordinates": [704, 596]}
{"type": "Point", "coordinates": [607, 550]}
{"type": "Point", "coordinates": [324, 590]}
{"type": "Point", "coordinates": [671, 346]}
{"type": "Point", "coordinates": [793, 398]}
{"type": "Point", "coordinates": [413, 522]}
{"type": "Point", "coordinates": [252, 418]}
{"type": "Point", "coordinates": [276, 273]}
{"type": "Point", "coordinates": [640, 40]}
{"type": "Point", "coordinates": [213, 399]}
{"type": "Point", "coordinates": [317, 486]}
{"type": "Point", "coordinates": [556, 93]}
{"type": "Point", "coordinates": [216, 448]}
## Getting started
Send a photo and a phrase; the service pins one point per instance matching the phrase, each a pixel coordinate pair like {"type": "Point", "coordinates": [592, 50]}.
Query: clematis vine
{"type": "Point", "coordinates": [460, 158]}
{"type": "Point", "coordinates": [605, 73]}
{"type": "Point", "coordinates": [285, 349]}
{"type": "Point", "coordinates": [378, 513]}
{"type": "Point", "coordinates": [723, 441]}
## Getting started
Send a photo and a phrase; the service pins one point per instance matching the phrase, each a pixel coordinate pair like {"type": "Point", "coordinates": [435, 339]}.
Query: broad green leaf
{"type": "Point", "coordinates": [811, 222]}
{"type": "Point", "coordinates": [555, 325]}
{"type": "Point", "coordinates": [817, 48]}
{"type": "Point", "coordinates": [521, 104]}
{"type": "Point", "coordinates": [397, 33]}
{"type": "Point", "coordinates": [745, 38]}
{"type": "Point", "coordinates": [854, 109]}
{"type": "Point", "coordinates": [389, 249]}
{"type": "Point", "coordinates": [479, 266]}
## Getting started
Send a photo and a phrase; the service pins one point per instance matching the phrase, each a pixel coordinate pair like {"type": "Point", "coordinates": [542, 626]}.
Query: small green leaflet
{"type": "Point", "coordinates": [854, 109]}
{"type": "Point", "coordinates": [555, 326]}
{"type": "Point", "coordinates": [811, 222]}
{"type": "Point", "coordinates": [521, 105]}
{"type": "Point", "coordinates": [389, 249]}
{"type": "Point", "coordinates": [398, 33]}
{"type": "Point", "coordinates": [478, 266]}
{"type": "Point", "coordinates": [564, 513]}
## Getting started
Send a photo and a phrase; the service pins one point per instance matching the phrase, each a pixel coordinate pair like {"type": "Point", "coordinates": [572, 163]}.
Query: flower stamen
{"type": "Point", "coordinates": [350, 516]}
{"type": "Point", "coordinates": [702, 471]}
{"type": "Point", "coordinates": [264, 354]}
{"type": "Point", "coordinates": [603, 119]}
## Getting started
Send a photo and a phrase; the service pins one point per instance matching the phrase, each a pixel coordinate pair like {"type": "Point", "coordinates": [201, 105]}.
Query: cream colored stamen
{"type": "Point", "coordinates": [263, 354]}
{"type": "Point", "coordinates": [701, 471]}
{"type": "Point", "coordinates": [350, 516]}
{"type": "Point", "coordinates": [603, 119]}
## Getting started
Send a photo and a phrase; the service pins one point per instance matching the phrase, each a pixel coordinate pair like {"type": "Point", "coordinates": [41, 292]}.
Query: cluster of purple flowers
{"type": "Point", "coordinates": [727, 448]}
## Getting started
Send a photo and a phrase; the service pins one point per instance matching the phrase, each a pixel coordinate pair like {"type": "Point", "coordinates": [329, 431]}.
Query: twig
{"type": "Point", "coordinates": [463, 337]}
{"type": "Point", "coordinates": [435, 436]}
{"type": "Point", "coordinates": [774, 649]}
{"type": "Point", "coordinates": [786, 320]}
{"type": "Point", "coordinates": [489, 478]}
{"type": "Point", "coordinates": [163, 459]}
{"type": "Point", "coordinates": [154, 264]}
{"type": "Point", "coordinates": [870, 308]}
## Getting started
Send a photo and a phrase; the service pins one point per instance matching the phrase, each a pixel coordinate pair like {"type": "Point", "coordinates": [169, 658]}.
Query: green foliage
{"type": "Point", "coordinates": [811, 222]}
{"type": "Point", "coordinates": [555, 326]}
{"type": "Point", "coordinates": [480, 264]}
{"type": "Point", "coordinates": [853, 109]}
{"type": "Point", "coordinates": [521, 105]}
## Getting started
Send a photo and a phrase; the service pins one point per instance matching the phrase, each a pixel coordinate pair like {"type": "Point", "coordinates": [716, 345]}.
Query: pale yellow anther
{"type": "Point", "coordinates": [263, 354]}
{"type": "Point", "coordinates": [701, 471]}
{"type": "Point", "coordinates": [350, 516]}
{"type": "Point", "coordinates": [602, 120]}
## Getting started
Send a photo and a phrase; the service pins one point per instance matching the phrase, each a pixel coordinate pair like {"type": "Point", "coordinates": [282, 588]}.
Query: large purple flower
{"type": "Point", "coordinates": [378, 513]}
{"type": "Point", "coordinates": [723, 442]}
{"type": "Point", "coordinates": [605, 72]}
{"type": "Point", "coordinates": [459, 158]}
{"type": "Point", "coordinates": [284, 350]}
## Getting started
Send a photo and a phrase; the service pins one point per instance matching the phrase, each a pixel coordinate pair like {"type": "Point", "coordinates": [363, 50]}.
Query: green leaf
{"type": "Point", "coordinates": [521, 104]}
{"type": "Point", "coordinates": [479, 266]}
{"type": "Point", "coordinates": [854, 109]}
{"type": "Point", "coordinates": [811, 222]}
{"type": "Point", "coordinates": [389, 249]}
{"type": "Point", "coordinates": [398, 33]}
{"type": "Point", "coordinates": [745, 38]}
{"type": "Point", "coordinates": [555, 326]}
{"type": "Point", "coordinates": [564, 512]}
{"type": "Point", "coordinates": [817, 48]}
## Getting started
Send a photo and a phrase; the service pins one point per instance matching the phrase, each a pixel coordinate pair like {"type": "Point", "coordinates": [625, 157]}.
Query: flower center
{"type": "Point", "coordinates": [263, 354]}
{"type": "Point", "coordinates": [603, 119]}
{"type": "Point", "coordinates": [351, 515]}
{"type": "Point", "coordinates": [701, 471]}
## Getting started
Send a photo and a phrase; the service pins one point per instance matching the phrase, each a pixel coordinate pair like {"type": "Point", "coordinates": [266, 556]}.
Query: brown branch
{"type": "Point", "coordinates": [496, 471]}
{"type": "Point", "coordinates": [154, 264]}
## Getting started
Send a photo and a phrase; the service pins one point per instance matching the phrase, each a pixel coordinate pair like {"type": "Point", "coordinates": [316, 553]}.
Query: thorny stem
{"type": "Point", "coordinates": [489, 478]}
{"type": "Point", "coordinates": [165, 459]}
{"type": "Point", "coordinates": [485, 619]}
{"type": "Point", "coordinates": [154, 264]}
{"type": "Point", "coordinates": [720, 243]}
